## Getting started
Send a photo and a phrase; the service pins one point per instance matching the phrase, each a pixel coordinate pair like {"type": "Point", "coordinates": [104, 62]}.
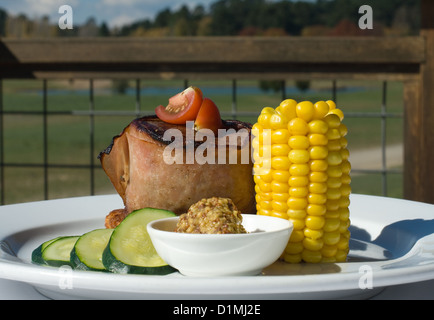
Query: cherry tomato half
{"type": "Point", "coordinates": [208, 116]}
{"type": "Point", "coordinates": [182, 107]}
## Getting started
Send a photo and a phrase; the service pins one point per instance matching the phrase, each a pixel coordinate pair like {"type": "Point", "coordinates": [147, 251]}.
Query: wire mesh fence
{"type": "Point", "coordinates": [78, 162]}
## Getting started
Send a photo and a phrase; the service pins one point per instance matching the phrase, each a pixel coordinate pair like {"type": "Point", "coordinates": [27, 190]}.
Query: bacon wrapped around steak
{"type": "Point", "coordinates": [149, 170]}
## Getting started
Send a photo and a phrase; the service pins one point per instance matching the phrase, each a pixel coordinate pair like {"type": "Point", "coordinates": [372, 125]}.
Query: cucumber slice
{"type": "Point", "coordinates": [58, 252]}
{"type": "Point", "coordinates": [37, 253]}
{"type": "Point", "coordinates": [130, 248]}
{"type": "Point", "coordinates": [87, 251]}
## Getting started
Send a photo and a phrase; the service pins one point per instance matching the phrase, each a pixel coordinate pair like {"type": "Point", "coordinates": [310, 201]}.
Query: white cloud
{"type": "Point", "coordinates": [121, 20]}
{"type": "Point", "coordinates": [46, 7]}
{"type": "Point", "coordinates": [123, 2]}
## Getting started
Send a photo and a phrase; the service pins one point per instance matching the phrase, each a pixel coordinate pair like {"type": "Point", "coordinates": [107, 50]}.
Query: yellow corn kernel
{"type": "Point", "coordinates": [318, 139]}
{"type": "Point", "coordinates": [280, 163]}
{"type": "Point", "coordinates": [344, 214]}
{"type": "Point", "coordinates": [294, 247]}
{"type": "Point", "coordinates": [343, 142]}
{"type": "Point", "coordinates": [257, 129]}
{"type": "Point", "coordinates": [313, 244]}
{"type": "Point", "coordinates": [337, 112]}
{"type": "Point", "coordinates": [318, 126]}
{"type": "Point", "coordinates": [346, 167]}
{"type": "Point", "coordinates": [298, 156]}
{"type": "Point", "coordinates": [280, 175]}
{"type": "Point", "coordinates": [345, 190]}
{"type": "Point", "coordinates": [334, 158]}
{"type": "Point", "coordinates": [264, 119]}
{"type": "Point", "coordinates": [344, 202]}
{"type": "Point", "coordinates": [287, 108]}
{"type": "Point", "coordinates": [329, 251]}
{"type": "Point", "coordinates": [262, 165]}
{"type": "Point", "coordinates": [333, 134]}
{"type": "Point", "coordinates": [292, 258]}
{"type": "Point", "coordinates": [297, 213]}
{"type": "Point", "coordinates": [343, 244]}
{"type": "Point", "coordinates": [281, 149]}
{"type": "Point", "coordinates": [341, 255]}
{"type": "Point", "coordinates": [333, 193]}
{"type": "Point", "coordinates": [321, 109]}
{"type": "Point", "coordinates": [315, 222]}
{"type": "Point", "coordinates": [343, 129]}
{"type": "Point", "coordinates": [334, 145]}
{"type": "Point", "coordinates": [311, 256]}
{"type": "Point", "coordinates": [318, 165]}
{"type": "Point", "coordinates": [298, 192]}
{"type": "Point", "coordinates": [334, 171]}
{"type": "Point", "coordinates": [263, 212]}
{"type": "Point", "coordinates": [334, 182]}
{"type": "Point", "coordinates": [333, 205]}
{"type": "Point", "coordinates": [267, 175]}
{"type": "Point", "coordinates": [302, 173]}
{"type": "Point", "coordinates": [264, 186]}
{"type": "Point", "coordinates": [298, 181]}
{"type": "Point", "coordinates": [298, 142]}
{"type": "Point", "coordinates": [279, 214]}
{"type": "Point", "coordinates": [297, 203]}
{"type": "Point", "coordinates": [332, 104]}
{"type": "Point", "coordinates": [299, 169]}
{"type": "Point", "coordinates": [331, 224]}
{"type": "Point", "coordinates": [305, 110]}
{"type": "Point", "coordinates": [332, 121]}
{"type": "Point", "coordinates": [313, 234]}
{"type": "Point", "coordinates": [282, 197]}
{"type": "Point", "coordinates": [298, 224]}
{"type": "Point", "coordinates": [279, 187]}
{"type": "Point", "coordinates": [268, 110]}
{"type": "Point", "coordinates": [265, 137]}
{"type": "Point", "coordinates": [266, 196]}
{"type": "Point", "coordinates": [298, 126]}
{"type": "Point", "coordinates": [318, 176]}
{"type": "Point", "coordinates": [317, 198]}
{"type": "Point", "coordinates": [264, 204]}
{"type": "Point", "coordinates": [332, 214]}
{"type": "Point", "coordinates": [278, 121]}
{"type": "Point", "coordinates": [280, 135]}
{"type": "Point", "coordinates": [343, 227]}
{"type": "Point", "coordinates": [316, 209]}
{"type": "Point", "coordinates": [331, 238]}
{"type": "Point", "coordinates": [318, 152]}
{"type": "Point", "coordinates": [279, 206]}
{"type": "Point", "coordinates": [297, 236]}
{"type": "Point", "coordinates": [318, 187]}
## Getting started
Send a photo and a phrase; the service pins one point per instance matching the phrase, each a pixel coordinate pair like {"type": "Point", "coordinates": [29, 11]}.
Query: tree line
{"type": "Point", "coordinates": [271, 18]}
{"type": "Point", "coordinates": [242, 17]}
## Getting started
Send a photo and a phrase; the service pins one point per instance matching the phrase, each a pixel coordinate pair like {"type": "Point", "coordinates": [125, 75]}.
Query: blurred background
{"type": "Point", "coordinates": [52, 130]}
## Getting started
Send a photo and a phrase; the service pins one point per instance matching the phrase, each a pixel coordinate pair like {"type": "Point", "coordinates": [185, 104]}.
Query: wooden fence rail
{"type": "Point", "coordinates": [216, 57]}
{"type": "Point", "coordinates": [407, 59]}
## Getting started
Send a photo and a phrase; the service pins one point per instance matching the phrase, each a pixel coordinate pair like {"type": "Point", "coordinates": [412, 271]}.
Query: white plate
{"type": "Point", "coordinates": [399, 231]}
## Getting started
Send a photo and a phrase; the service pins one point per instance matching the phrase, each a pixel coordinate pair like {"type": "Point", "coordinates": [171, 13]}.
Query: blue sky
{"type": "Point", "coordinates": [113, 12]}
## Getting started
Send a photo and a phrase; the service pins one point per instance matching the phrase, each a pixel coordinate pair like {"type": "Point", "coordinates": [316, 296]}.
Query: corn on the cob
{"type": "Point", "coordinates": [302, 173]}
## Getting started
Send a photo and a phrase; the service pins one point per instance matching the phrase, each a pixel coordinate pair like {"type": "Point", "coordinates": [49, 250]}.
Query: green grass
{"type": "Point", "coordinates": [372, 184]}
{"type": "Point", "coordinates": [69, 135]}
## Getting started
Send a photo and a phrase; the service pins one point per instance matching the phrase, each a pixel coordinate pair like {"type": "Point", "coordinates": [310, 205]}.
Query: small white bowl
{"type": "Point", "coordinates": [204, 255]}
